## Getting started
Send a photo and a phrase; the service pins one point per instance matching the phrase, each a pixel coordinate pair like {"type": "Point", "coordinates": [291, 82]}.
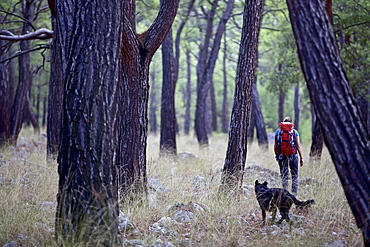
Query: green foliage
{"type": "Point", "coordinates": [352, 28]}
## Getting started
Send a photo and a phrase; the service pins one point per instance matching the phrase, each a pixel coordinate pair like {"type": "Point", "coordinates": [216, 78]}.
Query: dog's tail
{"type": "Point", "coordinates": [304, 204]}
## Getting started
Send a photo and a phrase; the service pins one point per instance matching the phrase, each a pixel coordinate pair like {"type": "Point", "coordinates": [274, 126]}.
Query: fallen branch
{"type": "Point", "coordinates": [42, 33]}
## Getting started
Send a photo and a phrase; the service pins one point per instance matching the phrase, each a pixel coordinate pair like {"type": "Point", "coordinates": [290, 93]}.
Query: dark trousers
{"type": "Point", "coordinates": [286, 163]}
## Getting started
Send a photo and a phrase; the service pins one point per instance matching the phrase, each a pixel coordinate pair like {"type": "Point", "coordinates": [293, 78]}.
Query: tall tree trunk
{"type": "Point", "coordinates": [259, 122]}
{"type": "Point", "coordinates": [168, 113]}
{"type": "Point", "coordinates": [136, 55]}
{"type": "Point", "coordinates": [21, 101]}
{"type": "Point", "coordinates": [187, 94]}
{"type": "Point", "coordinates": [4, 102]}
{"type": "Point", "coordinates": [233, 171]}
{"type": "Point", "coordinates": [88, 186]}
{"type": "Point", "coordinates": [205, 80]}
{"type": "Point", "coordinates": [202, 91]}
{"type": "Point", "coordinates": [55, 97]}
{"type": "Point", "coordinates": [343, 128]}
{"type": "Point", "coordinates": [213, 106]}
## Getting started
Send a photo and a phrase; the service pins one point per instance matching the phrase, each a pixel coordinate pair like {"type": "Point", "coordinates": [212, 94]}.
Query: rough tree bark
{"type": "Point", "coordinates": [87, 197]}
{"type": "Point", "coordinates": [233, 171]}
{"type": "Point", "coordinates": [55, 97]}
{"type": "Point", "coordinates": [136, 54]}
{"type": "Point", "coordinates": [4, 102]}
{"type": "Point", "coordinates": [343, 129]}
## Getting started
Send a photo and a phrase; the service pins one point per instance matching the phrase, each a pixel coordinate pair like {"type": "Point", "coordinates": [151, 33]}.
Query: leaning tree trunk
{"type": "Point", "coordinates": [168, 114]}
{"type": "Point", "coordinates": [340, 120]}
{"type": "Point", "coordinates": [87, 198]}
{"type": "Point", "coordinates": [136, 55]}
{"type": "Point", "coordinates": [233, 171]}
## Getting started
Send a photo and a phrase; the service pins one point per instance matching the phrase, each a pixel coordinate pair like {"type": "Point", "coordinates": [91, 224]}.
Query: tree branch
{"type": "Point", "coordinates": [42, 33]}
{"type": "Point", "coordinates": [23, 52]}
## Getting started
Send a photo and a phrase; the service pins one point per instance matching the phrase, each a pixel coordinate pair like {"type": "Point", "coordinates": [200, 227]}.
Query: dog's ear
{"type": "Point", "coordinates": [265, 183]}
{"type": "Point", "coordinates": [256, 183]}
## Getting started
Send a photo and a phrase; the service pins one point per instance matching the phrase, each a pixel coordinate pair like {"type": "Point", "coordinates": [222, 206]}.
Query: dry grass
{"type": "Point", "coordinates": [26, 180]}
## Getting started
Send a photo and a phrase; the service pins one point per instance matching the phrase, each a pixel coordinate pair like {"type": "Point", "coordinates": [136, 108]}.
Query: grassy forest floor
{"type": "Point", "coordinates": [28, 188]}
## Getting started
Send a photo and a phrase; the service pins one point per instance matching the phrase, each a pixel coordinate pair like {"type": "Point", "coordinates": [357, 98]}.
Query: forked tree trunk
{"type": "Point", "coordinates": [136, 55]}
{"type": "Point", "coordinates": [87, 210]}
{"type": "Point", "coordinates": [233, 171]}
{"type": "Point", "coordinates": [344, 131]}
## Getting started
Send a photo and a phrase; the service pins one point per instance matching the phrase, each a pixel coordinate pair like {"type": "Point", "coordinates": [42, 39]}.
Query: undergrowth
{"type": "Point", "coordinates": [28, 188]}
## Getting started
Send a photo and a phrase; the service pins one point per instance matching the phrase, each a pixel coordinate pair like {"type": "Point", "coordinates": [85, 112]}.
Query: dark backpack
{"type": "Point", "coordinates": [285, 139]}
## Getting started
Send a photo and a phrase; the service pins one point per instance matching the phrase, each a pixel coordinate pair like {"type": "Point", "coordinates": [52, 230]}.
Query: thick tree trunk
{"type": "Point", "coordinates": [136, 54]}
{"type": "Point", "coordinates": [87, 209]}
{"type": "Point", "coordinates": [233, 171]}
{"type": "Point", "coordinates": [168, 113]}
{"type": "Point", "coordinates": [340, 119]}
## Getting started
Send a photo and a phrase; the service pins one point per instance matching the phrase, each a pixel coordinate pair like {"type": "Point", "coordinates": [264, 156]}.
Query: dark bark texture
{"type": "Point", "coordinates": [136, 55]}
{"type": "Point", "coordinates": [233, 171]}
{"type": "Point", "coordinates": [340, 119]}
{"type": "Point", "coordinates": [55, 98]}
{"type": "Point", "coordinates": [89, 34]}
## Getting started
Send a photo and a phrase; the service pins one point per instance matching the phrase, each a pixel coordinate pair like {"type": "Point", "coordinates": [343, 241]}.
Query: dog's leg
{"type": "Point", "coordinates": [263, 216]}
{"type": "Point", "coordinates": [284, 215]}
{"type": "Point", "coordinates": [273, 215]}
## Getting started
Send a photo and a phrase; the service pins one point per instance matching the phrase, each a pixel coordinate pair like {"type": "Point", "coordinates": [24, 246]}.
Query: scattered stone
{"type": "Point", "coordinates": [162, 226]}
{"type": "Point", "coordinates": [123, 222]}
{"type": "Point", "coordinates": [11, 244]}
{"type": "Point", "coordinates": [187, 155]}
{"type": "Point", "coordinates": [155, 185]}
{"type": "Point", "coordinates": [339, 243]}
{"type": "Point", "coordinates": [182, 216]}
{"type": "Point", "coordinates": [199, 183]}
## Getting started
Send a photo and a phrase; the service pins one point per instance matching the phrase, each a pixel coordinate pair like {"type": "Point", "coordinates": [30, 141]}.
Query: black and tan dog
{"type": "Point", "coordinates": [271, 199]}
